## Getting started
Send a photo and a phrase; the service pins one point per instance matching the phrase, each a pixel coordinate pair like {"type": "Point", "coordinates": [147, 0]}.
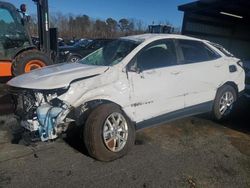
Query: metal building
{"type": "Point", "coordinates": [226, 22]}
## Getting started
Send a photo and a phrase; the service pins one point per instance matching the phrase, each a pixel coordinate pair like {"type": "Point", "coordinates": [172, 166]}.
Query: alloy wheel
{"type": "Point", "coordinates": [115, 132]}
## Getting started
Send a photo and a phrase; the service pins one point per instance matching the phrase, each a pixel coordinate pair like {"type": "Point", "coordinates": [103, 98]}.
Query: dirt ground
{"type": "Point", "coordinates": [192, 152]}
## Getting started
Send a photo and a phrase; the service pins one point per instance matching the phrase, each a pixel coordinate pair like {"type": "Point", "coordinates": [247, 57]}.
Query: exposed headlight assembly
{"type": "Point", "coordinates": [49, 95]}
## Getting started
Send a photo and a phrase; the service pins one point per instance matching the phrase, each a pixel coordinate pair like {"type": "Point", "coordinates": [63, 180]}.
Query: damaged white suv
{"type": "Point", "coordinates": [133, 82]}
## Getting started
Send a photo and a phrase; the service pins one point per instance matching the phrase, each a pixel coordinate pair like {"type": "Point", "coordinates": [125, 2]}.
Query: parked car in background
{"type": "Point", "coordinates": [131, 83]}
{"type": "Point", "coordinates": [80, 49]}
{"type": "Point", "coordinates": [82, 42]}
{"type": "Point", "coordinates": [60, 42]}
{"type": "Point", "coordinates": [35, 41]}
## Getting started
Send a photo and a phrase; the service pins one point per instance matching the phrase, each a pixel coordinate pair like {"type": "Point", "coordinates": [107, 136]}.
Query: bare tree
{"type": "Point", "coordinates": [82, 26]}
{"type": "Point", "coordinates": [112, 26]}
{"type": "Point", "coordinates": [123, 24]}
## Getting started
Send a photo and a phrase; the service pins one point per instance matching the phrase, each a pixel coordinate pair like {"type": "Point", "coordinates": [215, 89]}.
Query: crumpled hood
{"type": "Point", "coordinates": [55, 76]}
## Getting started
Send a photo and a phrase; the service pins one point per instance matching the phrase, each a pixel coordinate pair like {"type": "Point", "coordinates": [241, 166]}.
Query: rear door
{"type": "Point", "coordinates": [204, 71]}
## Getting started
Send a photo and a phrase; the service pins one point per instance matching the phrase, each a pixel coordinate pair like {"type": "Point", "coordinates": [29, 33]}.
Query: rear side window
{"type": "Point", "coordinates": [196, 51]}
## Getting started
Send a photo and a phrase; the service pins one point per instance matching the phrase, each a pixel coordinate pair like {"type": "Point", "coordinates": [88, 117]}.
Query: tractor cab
{"type": "Point", "coordinates": [18, 55]}
{"type": "Point", "coordinates": [14, 36]}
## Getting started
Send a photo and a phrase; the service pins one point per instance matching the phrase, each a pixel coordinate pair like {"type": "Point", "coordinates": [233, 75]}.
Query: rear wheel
{"type": "Point", "coordinates": [28, 61]}
{"type": "Point", "coordinates": [224, 102]}
{"type": "Point", "coordinates": [108, 133]}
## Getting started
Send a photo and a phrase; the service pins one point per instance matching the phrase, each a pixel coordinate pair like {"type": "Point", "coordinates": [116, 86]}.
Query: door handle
{"type": "Point", "coordinates": [150, 72]}
{"type": "Point", "coordinates": [176, 72]}
{"type": "Point", "coordinates": [218, 65]}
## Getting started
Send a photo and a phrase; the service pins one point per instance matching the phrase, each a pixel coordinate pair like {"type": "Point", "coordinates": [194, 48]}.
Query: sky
{"type": "Point", "coordinates": [148, 11]}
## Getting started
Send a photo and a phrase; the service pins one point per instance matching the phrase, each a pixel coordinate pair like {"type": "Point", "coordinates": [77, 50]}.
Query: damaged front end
{"type": "Point", "coordinates": [42, 112]}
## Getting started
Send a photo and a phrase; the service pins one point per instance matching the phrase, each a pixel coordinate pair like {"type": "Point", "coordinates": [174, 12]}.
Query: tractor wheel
{"type": "Point", "coordinates": [28, 61]}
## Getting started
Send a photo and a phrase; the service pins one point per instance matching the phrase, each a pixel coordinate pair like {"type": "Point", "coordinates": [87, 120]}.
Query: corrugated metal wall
{"type": "Point", "coordinates": [233, 36]}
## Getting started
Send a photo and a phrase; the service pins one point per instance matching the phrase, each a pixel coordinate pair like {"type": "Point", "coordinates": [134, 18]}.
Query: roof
{"type": "Point", "coordinates": [154, 36]}
{"type": "Point", "coordinates": [7, 4]}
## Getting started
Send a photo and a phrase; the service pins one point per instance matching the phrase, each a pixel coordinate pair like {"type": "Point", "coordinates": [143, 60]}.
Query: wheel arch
{"type": "Point", "coordinates": [92, 104]}
{"type": "Point", "coordinates": [102, 101]}
{"type": "Point", "coordinates": [216, 114]}
{"type": "Point", "coordinates": [232, 84]}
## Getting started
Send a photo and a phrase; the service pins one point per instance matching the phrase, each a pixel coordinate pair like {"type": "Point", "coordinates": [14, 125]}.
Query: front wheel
{"type": "Point", "coordinates": [224, 102]}
{"type": "Point", "coordinates": [108, 133]}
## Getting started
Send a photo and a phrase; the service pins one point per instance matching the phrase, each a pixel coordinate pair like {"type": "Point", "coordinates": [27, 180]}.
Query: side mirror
{"type": "Point", "coordinates": [134, 68]}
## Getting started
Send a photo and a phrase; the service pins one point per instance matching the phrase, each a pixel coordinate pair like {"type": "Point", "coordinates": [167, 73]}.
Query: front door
{"type": "Point", "coordinates": [155, 82]}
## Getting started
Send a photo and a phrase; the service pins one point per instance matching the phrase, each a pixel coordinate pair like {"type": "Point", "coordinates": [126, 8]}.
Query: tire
{"type": "Point", "coordinates": [94, 138]}
{"type": "Point", "coordinates": [28, 61]}
{"type": "Point", "coordinates": [73, 59]}
{"type": "Point", "coordinates": [231, 93]}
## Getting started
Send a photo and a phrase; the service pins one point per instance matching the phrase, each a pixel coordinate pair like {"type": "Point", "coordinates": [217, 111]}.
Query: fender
{"type": "Point", "coordinates": [5, 68]}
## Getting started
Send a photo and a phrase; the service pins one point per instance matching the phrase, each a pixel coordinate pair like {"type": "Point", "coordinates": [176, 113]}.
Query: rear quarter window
{"type": "Point", "coordinates": [196, 51]}
{"type": "Point", "coordinates": [222, 49]}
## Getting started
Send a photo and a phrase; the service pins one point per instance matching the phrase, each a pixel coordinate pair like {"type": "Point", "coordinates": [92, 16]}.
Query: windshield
{"type": "Point", "coordinates": [111, 54]}
{"type": "Point", "coordinates": [13, 36]}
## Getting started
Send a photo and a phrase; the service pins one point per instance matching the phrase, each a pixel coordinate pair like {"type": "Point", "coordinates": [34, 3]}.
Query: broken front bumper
{"type": "Point", "coordinates": [42, 112]}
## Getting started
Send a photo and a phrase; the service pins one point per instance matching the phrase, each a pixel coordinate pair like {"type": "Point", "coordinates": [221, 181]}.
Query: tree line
{"type": "Point", "coordinates": [83, 26]}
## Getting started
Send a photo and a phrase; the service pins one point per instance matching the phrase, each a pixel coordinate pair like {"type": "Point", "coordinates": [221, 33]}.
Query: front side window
{"type": "Point", "coordinates": [157, 55]}
{"type": "Point", "coordinates": [6, 17]}
{"type": "Point", "coordinates": [111, 54]}
{"type": "Point", "coordinates": [196, 51]}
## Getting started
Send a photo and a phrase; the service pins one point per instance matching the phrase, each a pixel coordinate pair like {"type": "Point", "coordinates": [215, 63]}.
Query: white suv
{"type": "Point", "coordinates": [131, 83]}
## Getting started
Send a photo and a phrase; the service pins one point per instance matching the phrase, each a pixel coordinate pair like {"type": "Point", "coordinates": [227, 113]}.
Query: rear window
{"type": "Point", "coordinates": [222, 49]}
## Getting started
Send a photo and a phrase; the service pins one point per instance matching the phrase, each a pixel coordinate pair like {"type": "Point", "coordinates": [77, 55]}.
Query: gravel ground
{"type": "Point", "coordinates": [192, 152]}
